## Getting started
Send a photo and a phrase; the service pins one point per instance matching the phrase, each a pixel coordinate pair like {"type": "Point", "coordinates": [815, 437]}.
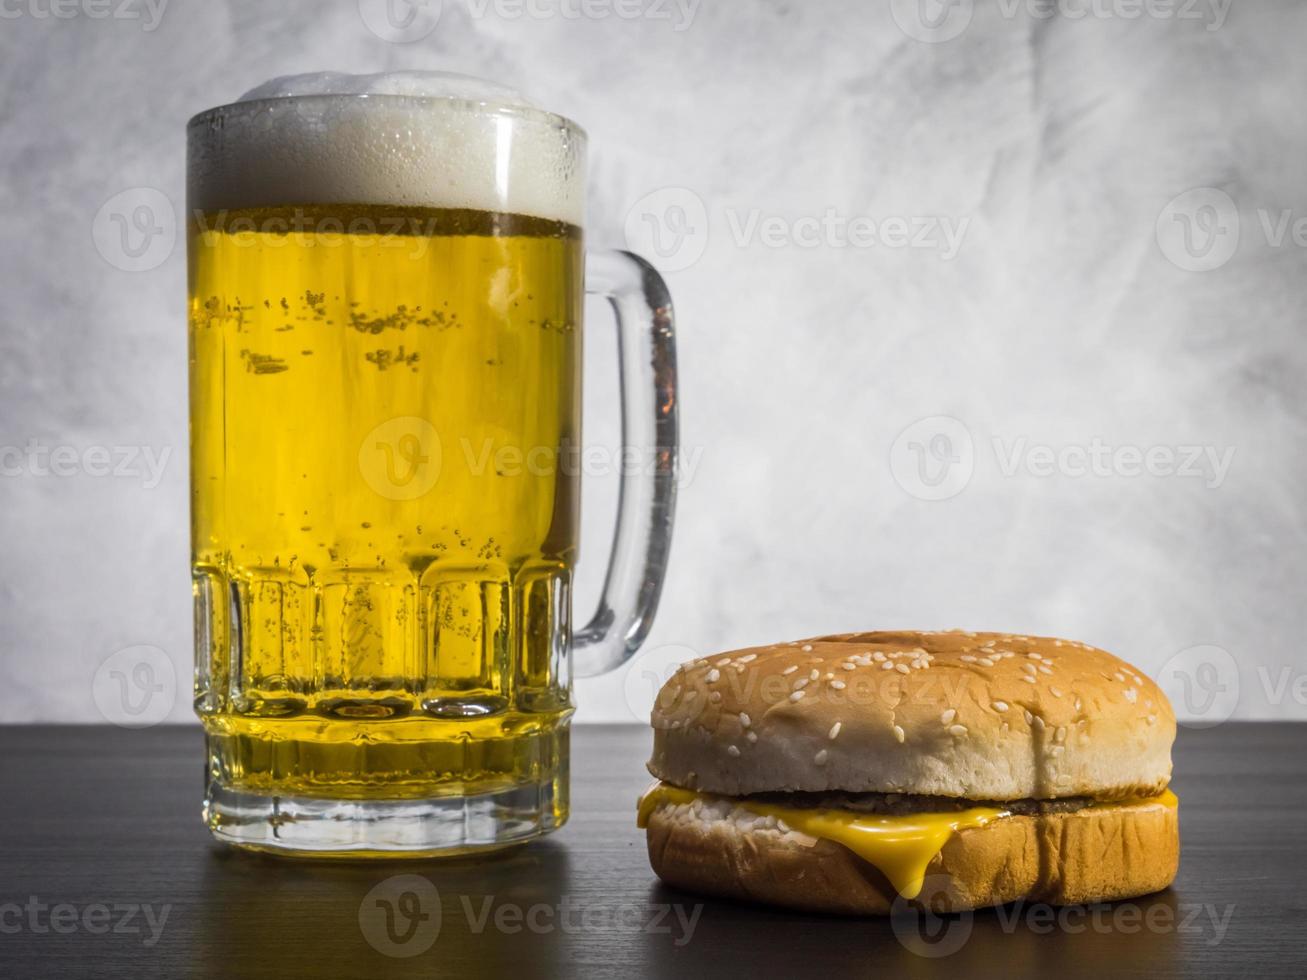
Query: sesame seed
{"type": "Point", "coordinates": [814, 674]}
{"type": "Point", "coordinates": [985, 662]}
{"type": "Point", "coordinates": [999, 705]}
{"type": "Point", "coordinates": [1152, 719]}
{"type": "Point", "coordinates": [967, 658]}
{"type": "Point", "coordinates": [958, 730]}
{"type": "Point", "coordinates": [879, 657]}
{"type": "Point", "coordinates": [837, 685]}
{"type": "Point", "coordinates": [820, 758]}
{"type": "Point", "coordinates": [806, 648]}
{"type": "Point", "coordinates": [751, 736]}
{"type": "Point", "coordinates": [1060, 734]}
{"type": "Point", "coordinates": [1039, 723]}
{"type": "Point", "coordinates": [887, 666]}
{"type": "Point", "coordinates": [796, 695]}
{"type": "Point", "coordinates": [790, 669]}
{"type": "Point", "coordinates": [1028, 668]}
{"type": "Point", "coordinates": [1045, 670]}
{"type": "Point", "coordinates": [1130, 694]}
{"type": "Point", "coordinates": [733, 751]}
{"type": "Point", "coordinates": [898, 733]}
{"type": "Point", "coordinates": [835, 729]}
{"type": "Point", "coordinates": [1027, 678]}
{"type": "Point", "coordinates": [745, 721]}
{"type": "Point", "coordinates": [1119, 676]}
{"type": "Point", "coordinates": [723, 662]}
{"type": "Point", "coordinates": [902, 668]}
{"type": "Point", "coordinates": [1029, 717]}
{"type": "Point", "coordinates": [715, 696]}
{"type": "Point", "coordinates": [948, 716]}
{"type": "Point", "coordinates": [1078, 702]}
{"type": "Point", "coordinates": [801, 683]}
{"type": "Point", "coordinates": [713, 675]}
{"type": "Point", "coordinates": [747, 658]}
{"type": "Point", "coordinates": [1055, 692]}
{"type": "Point", "coordinates": [849, 666]}
{"type": "Point", "coordinates": [1034, 656]}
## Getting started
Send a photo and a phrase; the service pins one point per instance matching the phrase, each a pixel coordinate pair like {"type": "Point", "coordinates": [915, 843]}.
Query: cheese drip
{"type": "Point", "coordinates": [900, 847]}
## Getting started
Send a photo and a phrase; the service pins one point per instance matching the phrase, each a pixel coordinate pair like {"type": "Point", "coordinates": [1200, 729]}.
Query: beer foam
{"type": "Point", "coordinates": [424, 139]}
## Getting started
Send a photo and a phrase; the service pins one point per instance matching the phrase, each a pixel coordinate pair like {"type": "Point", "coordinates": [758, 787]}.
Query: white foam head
{"type": "Point", "coordinates": [428, 139]}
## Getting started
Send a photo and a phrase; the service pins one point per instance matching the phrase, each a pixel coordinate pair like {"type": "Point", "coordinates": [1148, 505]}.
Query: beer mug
{"type": "Point", "coordinates": [386, 284]}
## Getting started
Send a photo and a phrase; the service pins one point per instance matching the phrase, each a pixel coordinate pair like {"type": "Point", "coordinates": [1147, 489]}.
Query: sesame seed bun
{"type": "Point", "coordinates": [1101, 853]}
{"type": "Point", "coordinates": [979, 716]}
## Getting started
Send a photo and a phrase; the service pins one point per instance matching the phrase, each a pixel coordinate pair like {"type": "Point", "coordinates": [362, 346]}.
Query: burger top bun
{"type": "Point", "coordinates": [979, 716]}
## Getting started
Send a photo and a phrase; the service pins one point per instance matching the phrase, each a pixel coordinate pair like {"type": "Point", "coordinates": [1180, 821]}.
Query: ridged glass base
{"type": "Point", "coordinates": [305, 827]}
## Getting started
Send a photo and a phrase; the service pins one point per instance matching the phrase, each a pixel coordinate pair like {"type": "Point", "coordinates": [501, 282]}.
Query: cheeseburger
{"type": "Point", "coordinates": [953, 770]}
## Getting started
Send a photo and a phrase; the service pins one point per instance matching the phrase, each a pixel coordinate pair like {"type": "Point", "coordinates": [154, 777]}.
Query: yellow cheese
{"type": "Point", "coordinates": [901, 847]}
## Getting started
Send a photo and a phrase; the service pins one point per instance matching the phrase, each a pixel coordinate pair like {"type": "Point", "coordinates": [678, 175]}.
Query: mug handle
{"type": "Point", "coordinates": [646, 353]}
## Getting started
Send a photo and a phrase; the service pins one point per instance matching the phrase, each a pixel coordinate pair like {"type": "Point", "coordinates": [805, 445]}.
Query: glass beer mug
{"type": "Point", "coordinates": [386, 282]}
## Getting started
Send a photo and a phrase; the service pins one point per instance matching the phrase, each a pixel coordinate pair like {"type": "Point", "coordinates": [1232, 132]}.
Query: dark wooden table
{"type": "Point", "coordinates": [97, 822]}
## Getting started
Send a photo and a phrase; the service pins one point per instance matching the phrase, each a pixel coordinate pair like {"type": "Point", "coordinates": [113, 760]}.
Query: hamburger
{"type": "Point", "coordinates": [956, 770]}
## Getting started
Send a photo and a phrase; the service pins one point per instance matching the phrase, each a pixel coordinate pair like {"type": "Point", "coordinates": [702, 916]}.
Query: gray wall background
{"type": "Point", "coordinates": [1096, 295]}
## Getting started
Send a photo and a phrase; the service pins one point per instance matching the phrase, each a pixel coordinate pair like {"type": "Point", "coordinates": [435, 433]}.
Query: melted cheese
{"type": "Point", "coordinates": [900, 847]}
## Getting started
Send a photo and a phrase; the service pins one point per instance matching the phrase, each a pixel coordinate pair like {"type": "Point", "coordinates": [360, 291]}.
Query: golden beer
{"type": "Point", "coordinates": [385, 302]}
{"type": "Point", "coordinates": [351, 392]}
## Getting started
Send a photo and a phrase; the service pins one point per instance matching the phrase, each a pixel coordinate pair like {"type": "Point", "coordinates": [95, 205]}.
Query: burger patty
{"type": "Point", "coordinates": [902, 804]}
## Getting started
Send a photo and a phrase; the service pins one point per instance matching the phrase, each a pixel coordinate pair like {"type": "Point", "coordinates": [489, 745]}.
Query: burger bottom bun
{"type": "Point", "coordinates": [1101, 853]}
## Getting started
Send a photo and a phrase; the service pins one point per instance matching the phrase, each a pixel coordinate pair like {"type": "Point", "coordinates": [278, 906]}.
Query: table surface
{"type": "Point", "coordinates": [97, 822]}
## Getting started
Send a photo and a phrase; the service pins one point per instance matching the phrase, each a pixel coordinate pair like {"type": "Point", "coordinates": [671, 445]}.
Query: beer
{"type": "Point", "coordinates": [378, 600]}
